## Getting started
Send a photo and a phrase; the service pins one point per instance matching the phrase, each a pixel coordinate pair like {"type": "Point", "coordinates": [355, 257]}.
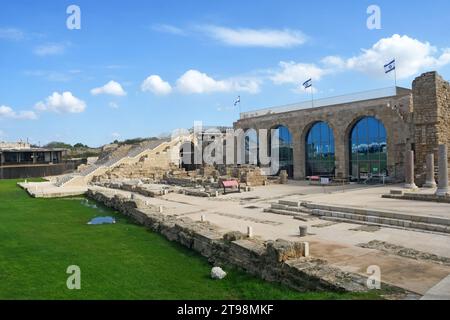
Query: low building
{"type": "Point", "coordinates": [360, 136]}
{"type": "Point", "coordinates": [21, 160]}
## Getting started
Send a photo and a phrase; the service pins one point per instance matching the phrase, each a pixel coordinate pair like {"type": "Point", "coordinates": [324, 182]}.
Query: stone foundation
{"type": "Point", "coordinates": [277, 261]}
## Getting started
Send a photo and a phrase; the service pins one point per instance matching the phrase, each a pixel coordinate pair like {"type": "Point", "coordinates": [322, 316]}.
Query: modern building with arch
{"type": "Point", "coordinates": [363, 134]}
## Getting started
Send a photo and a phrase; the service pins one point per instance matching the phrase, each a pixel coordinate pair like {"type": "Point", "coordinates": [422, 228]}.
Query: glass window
{"type": "Point", "coordinates": [320, 151]}
{"type": "Point", "coordinates": [286, 150]}
{"type": "Point", "coordinates": [368, 149]}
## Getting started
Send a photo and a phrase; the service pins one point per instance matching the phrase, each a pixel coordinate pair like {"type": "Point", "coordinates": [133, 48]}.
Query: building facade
{"type": "Point", "coordinates": [20, 160]}
{"type": "Point", "coordinates": [364, 135]}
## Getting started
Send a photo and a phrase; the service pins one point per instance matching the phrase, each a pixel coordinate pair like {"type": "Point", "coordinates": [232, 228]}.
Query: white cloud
{"type": "Point", "coordinates": [11, 34]}
{"type": "Point", "coordinates": [243, 37]}
{"type": "Point", "coordinates": [334, 62]}
{"type": "Point", "coordinates": [115, 135]}
{"type": "Point", "coordinates": [166, 28]}
{"type": "Point", "coordinates": [62, 103]}
{"type": "Point", "coordinates": [155, 84]}
{"type": "Point", "coordinates": [412, 56]}
{"type": "Point", "coordinates": [113, 105]}
{"type": "Point", "coordinates": [297, 73]}
{"type": "Point", "coordinates": [194, 81]}
{"type": "Point", "coordinates": [112, 88]}
{"type": "Point", "coordinates": [8, 112]}
{"type": "Point", "coordinates": [49, 75]}
{"type": "Point", "coordinates": [50, 49]}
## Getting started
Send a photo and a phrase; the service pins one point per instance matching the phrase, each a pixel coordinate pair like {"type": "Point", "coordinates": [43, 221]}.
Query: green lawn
{"type": "Point", "coordinates": [40, 238]}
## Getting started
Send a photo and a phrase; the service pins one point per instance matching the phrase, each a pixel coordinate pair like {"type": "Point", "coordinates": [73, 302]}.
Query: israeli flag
{"type": "Point", "coordinates": [389, 67]}
{"type": "Point", "coordinates": [307, 84]}
{"type": "Point", "coordinates": [238, 100]}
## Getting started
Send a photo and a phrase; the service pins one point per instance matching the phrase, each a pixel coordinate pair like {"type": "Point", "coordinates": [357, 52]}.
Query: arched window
{"type": "Point", "coordinates": [187, 152]}
{"type": "Point", "coordinates": [251, 147]}
{"type": "Point", "coordinates": [286, 153]}
{"type": "Point", "coordinates": [320, 151]}
{"type": "Point", "coordinates": [368, 148]}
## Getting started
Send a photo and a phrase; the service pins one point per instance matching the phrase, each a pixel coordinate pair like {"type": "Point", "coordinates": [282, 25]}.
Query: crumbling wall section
{"type": "Point", "coordinates": [431, 94]}
{"type": "Point", "coordinates": [277, 261]}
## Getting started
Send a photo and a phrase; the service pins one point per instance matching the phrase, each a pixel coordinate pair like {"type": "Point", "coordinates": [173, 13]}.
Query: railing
{"type": "Point", "coordinates": [348, 98]}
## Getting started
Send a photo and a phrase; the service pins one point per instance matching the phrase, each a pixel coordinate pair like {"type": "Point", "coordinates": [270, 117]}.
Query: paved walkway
{"type": "Point", "coordinates": [48, 189]}
{"type": "Point", "coordinates": [441, 291]}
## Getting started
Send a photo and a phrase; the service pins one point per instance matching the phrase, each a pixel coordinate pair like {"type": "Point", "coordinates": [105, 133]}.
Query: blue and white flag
{"type": "Point", "coordinates": [238, 100]}
{"type": "Point", "coordinates": [307, 84]}
{"type": "Point", "coordinates": [389, 67]}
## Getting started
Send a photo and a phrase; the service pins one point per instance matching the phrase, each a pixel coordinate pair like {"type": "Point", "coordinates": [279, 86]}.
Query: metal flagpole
{"type": "Point", "coordinates": [312, 96]}
{"type": "Point", "coordinates": [395, 73]}
{"type": "Point", "coordinates": [239, 102]}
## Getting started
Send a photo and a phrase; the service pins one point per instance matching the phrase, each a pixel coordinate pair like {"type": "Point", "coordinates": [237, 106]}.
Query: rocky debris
{"type": "Point", "coordinates": [283, 177]}
{"type": "Point", "coordinates": [367, 228]}
{"type": "Point", "coordinates": [282, 250]}
{"type": "Point", "coordinates": [233, 236]}
{"type": "Point", "coordinates": [252, 176]}
{"type": "Point", "coordinates": [137, 186]}
{"type": "Point", "coordinates": [405, 252]}
{"type": "Point", "coordinates": [217, 273]}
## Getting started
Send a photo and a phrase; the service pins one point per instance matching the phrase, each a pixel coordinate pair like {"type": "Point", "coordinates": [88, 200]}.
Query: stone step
{"type": "Point", "coordinates": [278, 206]}
{"type": "Point", "coordinates": [380, 214]}
{"type": "Point", "coordinates": [288, 203]}
{"type": "Point", "coordinates": [380, 221]}
{"type": "Point", "coordinates": [297, 215]}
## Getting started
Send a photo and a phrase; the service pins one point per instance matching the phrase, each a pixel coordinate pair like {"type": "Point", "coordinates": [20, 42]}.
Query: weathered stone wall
{"type": "Point", "coordinates": [431, 118]}
{"type": "Point", "coordinates": [152, 166]}
{"type": "Point", "coordinates": [394, 112]}
{"type": "Point", "coordinates": [277, 261]}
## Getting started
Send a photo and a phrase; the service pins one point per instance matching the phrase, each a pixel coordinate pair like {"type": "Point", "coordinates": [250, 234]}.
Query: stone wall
{"type": "Point", "coordinates": [431, 118]}
{"type": "Point", "coordinates": [277, 261]}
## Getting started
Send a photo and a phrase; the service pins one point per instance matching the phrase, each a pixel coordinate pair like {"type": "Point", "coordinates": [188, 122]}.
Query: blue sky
{"type": "Point", "coordinates": [142, 68]}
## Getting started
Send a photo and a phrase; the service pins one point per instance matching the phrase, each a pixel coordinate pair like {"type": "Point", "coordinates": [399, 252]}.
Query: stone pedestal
{"type": "Point", "coordinates": [409, 171]}
{"type": "Point", "coordinates": [249, 232]}
{"type": "Point", "coordinates": [443, 171]}
{"type": "Point", "coordinates": [303, 231]}
{"type": "Point", "coordinates": [430, 182]}
{"type": "Point", "coordinates": [283, 177]}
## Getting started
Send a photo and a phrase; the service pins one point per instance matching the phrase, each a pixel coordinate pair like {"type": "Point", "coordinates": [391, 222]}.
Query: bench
{"type": "Point", "coordinates": [314, 180]}
{"type": "Point", "coordinates": [230, 186]}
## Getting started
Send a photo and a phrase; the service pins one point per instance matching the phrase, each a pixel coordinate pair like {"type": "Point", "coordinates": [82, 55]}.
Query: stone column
{"type": "Point", "coordinates": [299, 155]}
{"type": "Point", "coordinates": [443, 171]}
{"type": "Point", "coordinates": [341, 154]}
{"type": "Point", "coordinates": [409, 170]}
{"type": "Point", "coordinates": [430, 182]}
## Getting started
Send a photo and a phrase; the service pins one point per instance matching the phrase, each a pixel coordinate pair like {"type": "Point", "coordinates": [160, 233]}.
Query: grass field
{"type": "Point", "coordinates": [40, 238]}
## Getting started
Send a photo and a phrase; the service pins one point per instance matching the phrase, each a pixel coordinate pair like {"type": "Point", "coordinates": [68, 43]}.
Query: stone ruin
{"type": "Point", "coordinates": [155, 176]}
